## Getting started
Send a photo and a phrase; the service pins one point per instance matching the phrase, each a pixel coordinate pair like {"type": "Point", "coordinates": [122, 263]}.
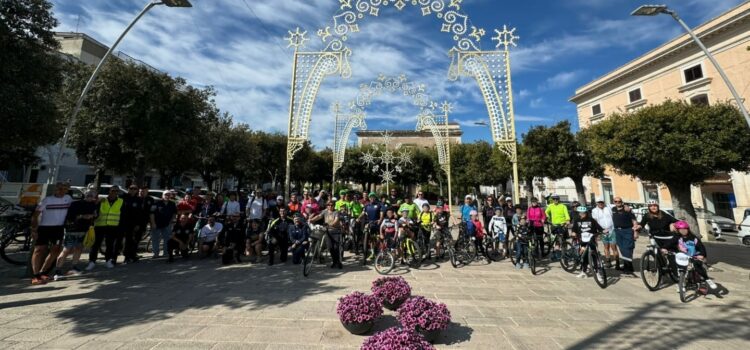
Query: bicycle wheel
{"type": "Point", "coordinates": [307, 261]}
{"type": "Point", "coordinates": [512, 251]}
{"type": "Point", "coordinates": [492, 253]}
{"type": "Point", "coordinates": [532, 262]}
{"type": "Point", "coordinates": [569, 257]}
{"type": "Point", "coordinates": [650, 270]}
{"type": "Point", "coordinates": [15, 247]}
{"type": "Point", "coordinates": [600, 273]}
{"type": "Point", "coordinates": [452, 255]}
{"type": "Point", "coordinates": [671, 271]}
{"type": "Point", "coordinates": [682, 285]}
{"type": "Point", "coordinates": [365, 246]}
{"type": "Point", "coordinates": [384, 262]}
{"type": "Point", "coordinates": [471, 251]}
{"type": "Point", "coordinates": [545, 248]}
{"type": "Point", "coordinates": [413, 255]}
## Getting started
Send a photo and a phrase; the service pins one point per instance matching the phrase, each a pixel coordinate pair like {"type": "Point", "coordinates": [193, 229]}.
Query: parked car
{"type": "Point", "coordinates": [744, 231]}
{"type": "Point", "coordinates": [77, 192]}
{"type": "Point", "coordinates": [104, 191]}
{"type": "Point", "coordinates": [159, 194]}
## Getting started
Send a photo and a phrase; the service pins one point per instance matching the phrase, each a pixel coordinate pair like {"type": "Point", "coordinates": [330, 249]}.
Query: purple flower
{"type": "Point", "coordinates": [396, 339]}
{"type": "Point", "coordinates": [420, 313]}
{"type": "Point", "coordinates": [358, 307]}
{"type": "Point", "coordinates": [391, 289]}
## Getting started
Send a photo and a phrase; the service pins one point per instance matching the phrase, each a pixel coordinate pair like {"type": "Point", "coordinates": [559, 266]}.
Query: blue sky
{"type": "Point", "coordinates": [237, 46]}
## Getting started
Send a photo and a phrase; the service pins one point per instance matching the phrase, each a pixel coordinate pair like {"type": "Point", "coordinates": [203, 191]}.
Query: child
{"type": "Point", "coordinates": [441, 224]}
{"type": "Point", "coordinates": [691, 245]}
{"type": "Point", "coordinates": [586, 229]}
{"type": "Point", "coordinates": [517, 216]}
{"type": "Point", "coordinates": [522, 243]}
{"type": "Point", "coordinates": [404, 225]}
{"type": "Point", "coordinates": [497, 227]}
{"type": "Point", "coordinates": [478, 234]}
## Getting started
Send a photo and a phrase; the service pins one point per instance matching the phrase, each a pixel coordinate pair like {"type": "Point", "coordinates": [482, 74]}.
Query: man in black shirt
{"type": "Point", "coordinates": [182, 233]}
{"type": "Point", "coordinates": [79, 219]}
{"type": "Point", "coordinates": [277, 236]}
{"type": "Point", "coordinates": [624, 222]}
{"type": "Point", "coordinates": [162, 214]}
{"type": "Point", "coordinates": [232, 239]}
{"type": "Point", "coordinates": [129, 222]}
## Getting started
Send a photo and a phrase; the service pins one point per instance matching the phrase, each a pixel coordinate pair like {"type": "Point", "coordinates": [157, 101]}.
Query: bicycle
{"type": "Point", "coordinates": [449, 246]}
{"type": "Point", "coordinates": [690, 282]}
{"type": "Point", "coordinates": [654, 265]}
{"type": "Point", "coordinates": [369, 241]}
{"type": "Point", "coordinates": [386, 258]}
{"type": "Point", "coordinates": [411, 250]}
{"type": "Point", "coordinates": [570, 255]}
{"type": "Point", "coordinates": [555, 239]}
{"type": "Point", "coordinates": [15, 239]}
{"type": "Point", "coordinates": [494, 247]}
{"type": "Point", "coordinates": [466, 250]}
{"type": "Point", "coordinates": [596, 263]}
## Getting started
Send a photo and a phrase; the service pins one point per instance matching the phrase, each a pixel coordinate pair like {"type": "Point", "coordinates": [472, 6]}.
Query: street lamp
{"type": "Point", "coordinates": [653, 10]}
{"type": "Point", "coordinates": [56, 167]}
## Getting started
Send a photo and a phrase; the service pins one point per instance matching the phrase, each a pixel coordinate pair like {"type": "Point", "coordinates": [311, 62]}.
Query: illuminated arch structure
{"type": "Point", "coordinates": [490, 69]}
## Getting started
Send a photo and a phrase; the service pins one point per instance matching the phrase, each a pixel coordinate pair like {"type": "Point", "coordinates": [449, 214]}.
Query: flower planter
{"type": "Point", "coordinates": [393, 306]}
{"type": "Point", "coordinates": [358, 328]}
{"type": "Point", "coordinates": [424, 316]}
{"type": "Point", "coordinates": [396, 338]}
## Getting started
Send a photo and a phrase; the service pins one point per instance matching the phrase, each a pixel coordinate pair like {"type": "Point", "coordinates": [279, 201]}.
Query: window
{"type": "Point", "coordinates": [693, 73]}
{"type": "Point", "coordinates": [635, 95]}
{"type": "Point", "coordinates": [596, 109]}
{"type": "Point", "coordinates": [699, 100]}
{"type": "Point", "coordinates": [607, 191]}
{"type": "Point", "coordinates": [650, 191]}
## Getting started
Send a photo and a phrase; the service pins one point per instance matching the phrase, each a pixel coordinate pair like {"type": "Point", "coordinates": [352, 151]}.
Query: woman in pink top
{"type": "Point", "coordinates": [535, 216]}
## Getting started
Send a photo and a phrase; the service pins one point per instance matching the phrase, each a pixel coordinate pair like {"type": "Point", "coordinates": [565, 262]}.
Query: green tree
{"type": "Point", "coordinates": [555, 152]}
{"type": "Point", "coordinates": [673, 143]}
{"type": "Point", "coordinates": [30, 76]}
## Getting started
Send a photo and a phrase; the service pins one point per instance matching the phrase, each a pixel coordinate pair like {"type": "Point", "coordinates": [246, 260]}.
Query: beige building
{"type": "Point", "coordinates": [409, 138]}
{"type": "Point", "coordinates": [677, 70]}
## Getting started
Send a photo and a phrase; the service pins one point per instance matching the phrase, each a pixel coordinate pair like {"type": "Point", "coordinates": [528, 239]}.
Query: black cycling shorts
{"type": "Point", "coordinates": [50, 235]}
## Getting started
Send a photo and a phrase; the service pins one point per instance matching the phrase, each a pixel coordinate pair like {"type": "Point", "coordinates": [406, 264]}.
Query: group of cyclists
{"type": "Point", "coordinates": [233, 225]}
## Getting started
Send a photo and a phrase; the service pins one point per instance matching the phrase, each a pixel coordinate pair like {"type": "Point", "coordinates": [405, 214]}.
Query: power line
{"type": "Point", "coordinates": [263, 26]}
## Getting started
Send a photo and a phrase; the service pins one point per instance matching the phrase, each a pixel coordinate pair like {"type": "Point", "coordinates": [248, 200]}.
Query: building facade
{"type": "Point", "coordinates": [410, 138]}
{"type": "Point", "coordinates": [677, 70]}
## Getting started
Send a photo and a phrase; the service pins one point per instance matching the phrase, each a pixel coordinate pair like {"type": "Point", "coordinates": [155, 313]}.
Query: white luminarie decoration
{"type": "Point", "coordinates": [387, 163]}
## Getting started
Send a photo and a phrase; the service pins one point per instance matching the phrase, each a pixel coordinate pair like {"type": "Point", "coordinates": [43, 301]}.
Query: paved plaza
{"type": "Point", "coordinates": [198, 304]}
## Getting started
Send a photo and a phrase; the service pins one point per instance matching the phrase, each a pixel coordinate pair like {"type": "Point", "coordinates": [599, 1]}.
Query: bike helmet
{"type": "Point", "coordinates": [682, 224]}
{"type": "Point", "coordinates": [554, 196]}
{"type": "Point", "coordinates": [373, 195]}
{"type": "Point", "coordinates": [582, 209]}
{"type": "Point", "coordinates": [343, 192]}
{"type": "Point", "coordinates": [473, 212]}
{"type": "Point", "coordinates": [405, 210]}
{"type": "Point", "coordinates": [652, 202]}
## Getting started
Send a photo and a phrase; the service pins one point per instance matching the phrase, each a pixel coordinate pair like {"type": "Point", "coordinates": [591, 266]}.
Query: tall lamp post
{"type": "Point", "coordinates": [653, 10]}
{"type": "Point", "coordinates": [90, 82]}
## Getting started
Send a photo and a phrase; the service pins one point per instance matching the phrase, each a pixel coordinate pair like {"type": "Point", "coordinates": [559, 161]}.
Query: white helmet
{"type": "Point", "coordinates": [652, 202]}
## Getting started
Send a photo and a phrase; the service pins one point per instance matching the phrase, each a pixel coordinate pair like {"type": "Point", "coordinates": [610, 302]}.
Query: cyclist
{"type": "Point", "coordinates": [299, 235]}
{"type": "Point", "coordinates": [389, 228]}
{"type": "Point", "coordinates": [441, 225]}
{"type": "Point", "coordinates": [277, 236]}
{"type": "Point", "coordinates": [371, 217]}
{"type": "Point", "coordinates": [489, 209]}
{"type": "Point", "coordinates": [558, 214]}
{"type": "Point", "coordinates": [332, 220]}
{"type": "Point", "coordinates": [425, 221]}
{"type": "Point", "coordinates": [603, 216]}
{"type": "Point", "coordinates": [586, 229]}
{"type": "Point", "coordinates": [687, 242]}
{"type": "Point", "coordinates": [410, 207]}
{"type": "Point", "coordinates": [479, 234]}
{"type": "Point", "coordinates": [343, 200]}
{"type": "Point", "coordinates": [536, 217]}
{"type": "Point", "coordinates": [497, 227]}
{"type": "Point", "coordinates": [522, 235]}
{"type": "Point", "coordinates": [660, 224]}
{"type": "Point", "coordinates": [466, 208]}
{"type": "Point", "coordinates": [624, 222]}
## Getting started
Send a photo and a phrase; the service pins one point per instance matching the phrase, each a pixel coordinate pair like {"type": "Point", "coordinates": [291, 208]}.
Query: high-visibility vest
{"type": "Point", "coordinates": [109, 215]}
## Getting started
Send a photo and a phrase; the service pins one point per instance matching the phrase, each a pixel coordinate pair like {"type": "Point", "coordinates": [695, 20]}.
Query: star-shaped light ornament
{"type": "Point", "coordinates": [296, 38]}
{"type": "Point", "coordinates": [446, 107]}
{"type": "Point", "coordinates": [505, 38]}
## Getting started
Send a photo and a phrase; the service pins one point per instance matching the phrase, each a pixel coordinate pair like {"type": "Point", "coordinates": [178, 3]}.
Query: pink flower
{"type": "Point", "coordinates": [391, 289]}
{"type": "Point", "coordinates": [421, 313]}
{"type": "Point", "coordinates": [358, 307]}
{"type": "Point", "coordinates": [396, 338]}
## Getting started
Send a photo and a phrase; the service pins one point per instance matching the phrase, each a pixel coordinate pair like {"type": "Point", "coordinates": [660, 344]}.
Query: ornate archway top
{"type": "Point", "coordinates": [393, 84]}
{"type": "Point", "coordinates": [465, 35]}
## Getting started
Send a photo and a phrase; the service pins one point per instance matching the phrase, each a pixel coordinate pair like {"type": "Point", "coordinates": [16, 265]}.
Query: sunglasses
{"type": "Point", "coordinates": [618, 201]}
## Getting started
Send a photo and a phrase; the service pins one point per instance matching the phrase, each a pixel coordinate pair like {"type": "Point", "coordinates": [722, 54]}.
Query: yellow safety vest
{"type": "Point", "coordinates": [109, 215]}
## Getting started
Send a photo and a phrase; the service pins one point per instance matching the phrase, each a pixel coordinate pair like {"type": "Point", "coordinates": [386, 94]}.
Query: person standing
{"type": "Point", "coordinates": [257, 207]}
{"type": "Point", "coordinates": [603, 216]}
{"type": "Point", "coordinates": [163, 213]}
{"type": "Point", "coordinates": [420, 201]}
{"type": "Point", "coordinates": [48, 232]}
{"type": "Point", "coordinates": [624, 222]}
{"type": "Point", "coordinates": [330, 217]}
{"type": "Point", "coordinates": [107, 228]}
{"type": "Point", "coordinates": [466, 208]}
{"type": "Point", "coordinates": [536, 217]}
{"type": "Point", "coordinates": [129, 222]}
{"type": "Point", "coordinates": [409, 206]}
{"type": "Point", "coordinates": [277, 236]}
{"type": "Point", "coordinates": [79, 219]}
{"type": "Point", "coordinates": [232, 206]}
{"type": "Point", "coordinates": [488, 211]}
{"type": "Point", "coordinates": [294, 206]}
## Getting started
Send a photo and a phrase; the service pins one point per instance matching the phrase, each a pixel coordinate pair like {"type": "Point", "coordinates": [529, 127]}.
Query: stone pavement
{"type": "Point", "coordinates": [198, 304]}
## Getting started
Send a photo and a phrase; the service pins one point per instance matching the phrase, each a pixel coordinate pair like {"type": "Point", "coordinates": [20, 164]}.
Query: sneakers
{"type": "Point", "coordinates": [518, 266]}
{"type": "Point", "coordinates": [90, 266]}
{"type": "Point", "coordinates": [59, 277]}
{"type": "Point", "coordinates": [525, 265]}
{"type": "Point", "coordinates": [582, 275]}
{"type": "Point", "coordinates": [110, 264]}
{"type": "Point", "coordinates": [73, 272]}
{"type": "Point", "coordinates": [711, 284]}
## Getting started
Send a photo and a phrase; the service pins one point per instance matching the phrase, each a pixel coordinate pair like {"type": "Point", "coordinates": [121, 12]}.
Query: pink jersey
{"type": "Point", "coordinates": [536, 215]}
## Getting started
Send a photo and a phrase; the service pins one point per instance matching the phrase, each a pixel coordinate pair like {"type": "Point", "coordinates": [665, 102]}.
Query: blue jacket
{"type": "Point", "coordinates": [298, 233]}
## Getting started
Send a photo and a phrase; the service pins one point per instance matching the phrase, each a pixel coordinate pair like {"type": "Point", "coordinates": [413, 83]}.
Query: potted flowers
{"type": "Point", "coordinates": [396, 338]}
{"type": "Point", "coordinates": [358, 311]}
{"type": "Point", "coordinates": [424, 316]}
{"type": "Point", "coordinates": [392, 291]}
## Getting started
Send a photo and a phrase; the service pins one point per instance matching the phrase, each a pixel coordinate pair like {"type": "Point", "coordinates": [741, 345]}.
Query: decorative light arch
{"type": "Point", "coordinates": [490, 69]}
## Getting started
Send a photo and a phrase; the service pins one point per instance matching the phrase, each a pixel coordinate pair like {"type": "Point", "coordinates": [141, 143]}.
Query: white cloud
{"type": "Point", "coordinates": [561, 80]}
{"type": "Point", "coordinates": [537, 102]}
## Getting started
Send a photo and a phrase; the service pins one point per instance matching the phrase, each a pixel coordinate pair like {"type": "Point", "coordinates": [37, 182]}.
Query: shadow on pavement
{"type": "Point", "coordinates": [728, 253]}
{"type": "Point", "coordinates": [151, 291]}
{"type": "Point", "coordinates": [667, 331]}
